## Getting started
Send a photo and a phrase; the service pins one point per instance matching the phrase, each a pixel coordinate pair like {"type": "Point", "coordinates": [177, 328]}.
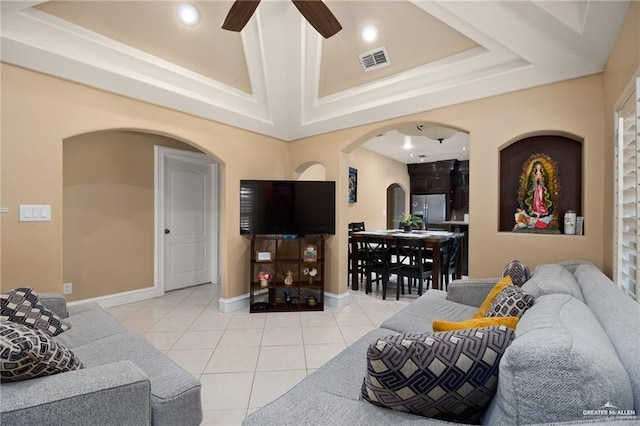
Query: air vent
{"type": "Point", "coordinates": [375, 59]}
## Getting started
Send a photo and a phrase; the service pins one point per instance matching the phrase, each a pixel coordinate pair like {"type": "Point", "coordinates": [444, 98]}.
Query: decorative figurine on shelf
{"type": "Point", "coordinates": [287, 300]}
{"type": "Point", "coordinates": [289, 278]}
{"type": "Point", "coordinates": [538, 194]}
{"type": "Point", "coordinates": [264, 278]}
{"type": "Point", "coordinates": [312, 301]}
{"type": "Point", "coordinates": [310, 272]}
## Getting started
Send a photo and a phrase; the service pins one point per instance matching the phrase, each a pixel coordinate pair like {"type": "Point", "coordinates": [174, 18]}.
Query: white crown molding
{"type": "Point", "coordinates": [521, 45]}
{"type": "Point", "coordinates": [37, 40]}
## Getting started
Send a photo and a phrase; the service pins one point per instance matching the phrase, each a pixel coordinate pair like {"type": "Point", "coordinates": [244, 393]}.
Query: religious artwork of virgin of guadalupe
{"type": "Point", "coordinates": [538, 194]}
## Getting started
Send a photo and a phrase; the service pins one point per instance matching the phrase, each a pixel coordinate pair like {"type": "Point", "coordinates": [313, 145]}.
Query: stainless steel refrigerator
{"type": "Point", "coordinates": [431, 207]}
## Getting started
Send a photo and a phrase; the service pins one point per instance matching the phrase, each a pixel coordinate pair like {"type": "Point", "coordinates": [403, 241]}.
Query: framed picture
{"type": "Point", "coordinates": [263, 256]}
{"type": "Point", "coordinates": [310, 253]}
{"type": "Point", "coordinates": [353, 185]}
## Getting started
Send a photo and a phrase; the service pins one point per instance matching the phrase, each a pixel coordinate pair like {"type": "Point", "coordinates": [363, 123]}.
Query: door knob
{"type": "Point", "coordinates": [166, 231]}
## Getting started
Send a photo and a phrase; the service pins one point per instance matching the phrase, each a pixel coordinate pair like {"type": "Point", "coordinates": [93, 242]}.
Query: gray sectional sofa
{"type": "Point", "coordinates": [575, 358]}
{"type": "Point", "coordinates": [125, 380]}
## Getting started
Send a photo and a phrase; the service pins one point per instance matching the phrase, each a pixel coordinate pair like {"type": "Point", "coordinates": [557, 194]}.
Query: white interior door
{"type": "Point", "coordinates": [189, 197]}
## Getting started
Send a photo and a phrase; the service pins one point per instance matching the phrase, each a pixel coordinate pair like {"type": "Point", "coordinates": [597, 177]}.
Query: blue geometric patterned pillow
{"type": "Point", "coordinates": [448, 375]}
{"type": "Point", "coordinates": [512, 301]}
{"type": "Point", "coordinates": [21, 306]}
{"type": "Point", "coordinates": [518, 271]}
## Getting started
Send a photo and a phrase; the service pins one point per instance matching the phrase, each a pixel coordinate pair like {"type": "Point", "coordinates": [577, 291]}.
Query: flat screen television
{"type": "Point", "coordinates": [288, 207]}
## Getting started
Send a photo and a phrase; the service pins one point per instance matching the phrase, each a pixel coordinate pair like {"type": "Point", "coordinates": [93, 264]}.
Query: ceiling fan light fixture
{"type": "Point", "coordinates": [188, 14]}
{"type": "Point", "coordinates": [369, 33]}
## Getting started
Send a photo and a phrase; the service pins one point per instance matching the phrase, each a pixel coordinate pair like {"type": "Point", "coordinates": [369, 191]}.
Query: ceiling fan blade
{"type": "Point", "coordinates": [319, 16]}
{"type": "Point", "coordinates": [239, 14]}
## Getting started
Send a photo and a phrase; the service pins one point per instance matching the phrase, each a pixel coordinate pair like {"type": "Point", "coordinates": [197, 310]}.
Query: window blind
{"type": "Point", "coordinates": [627, 191]}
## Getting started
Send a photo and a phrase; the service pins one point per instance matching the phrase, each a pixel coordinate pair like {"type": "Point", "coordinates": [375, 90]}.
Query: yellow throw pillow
{"type": "Point", "coordinates": [503, 283]}
{"type": "Point", "coordinates": [440, 325]}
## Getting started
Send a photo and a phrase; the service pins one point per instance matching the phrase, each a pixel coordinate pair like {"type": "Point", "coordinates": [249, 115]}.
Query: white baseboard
{"type": "Point", "coordinates": [225, 305]}
{"type": "Point", "coordinates": [337, 300]}
{"type": "Point", "coordinates": [233, 304]}
{"type": "Point", "coordinates": [118, 299]}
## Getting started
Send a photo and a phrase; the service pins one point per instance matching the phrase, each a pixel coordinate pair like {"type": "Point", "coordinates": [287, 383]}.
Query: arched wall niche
{"type": "Point", "coordinates": [566, 152]}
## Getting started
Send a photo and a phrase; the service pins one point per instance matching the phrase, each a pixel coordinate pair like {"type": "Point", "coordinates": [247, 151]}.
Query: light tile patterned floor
{"type": "Point", "coordinates": [244, 360]}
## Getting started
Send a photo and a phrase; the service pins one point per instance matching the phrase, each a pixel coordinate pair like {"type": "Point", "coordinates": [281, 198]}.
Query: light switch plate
{"type": "Point", "coordinates": [35, 212]}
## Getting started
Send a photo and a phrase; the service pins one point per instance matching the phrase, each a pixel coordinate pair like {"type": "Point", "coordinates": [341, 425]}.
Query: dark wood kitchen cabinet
{"type": "Point", "coordinates": [461, 186]}
{"type": "Point", "coordinates": [450, 177]}
{"type": "Point", "coordinates": [431, 178]}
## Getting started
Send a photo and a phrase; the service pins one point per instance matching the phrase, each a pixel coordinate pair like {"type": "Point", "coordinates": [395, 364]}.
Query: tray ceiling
{"type": "Point", "coordinates": [280, 78]}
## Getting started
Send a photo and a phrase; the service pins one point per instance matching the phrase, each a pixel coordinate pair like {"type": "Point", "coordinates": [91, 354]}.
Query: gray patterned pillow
{"type": "Point", "coordinates": [448, 376]}
{"type": "Point", "coordinates": [27, 353]}
{"type": "Point", "coordinates": [21, 306]}
{"type": "Point", "coordinates": [518, 271]}
{"type": "Point", "coordinates": [512, 301]}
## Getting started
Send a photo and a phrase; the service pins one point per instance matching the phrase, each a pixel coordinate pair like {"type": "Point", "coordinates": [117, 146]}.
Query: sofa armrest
{"type": "Point", "coordinates": [54, 302]}
{"type": "Point", "coordinates": [472, 291]}
{"type": "Point", "coordinates": [112, 394]}
{"type": "Point", "coordinates": [572, 265]}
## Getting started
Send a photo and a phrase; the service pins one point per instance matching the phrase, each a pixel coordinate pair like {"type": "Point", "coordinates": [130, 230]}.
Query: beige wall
{"type": "Point", "coordinates": [39, 112]}
{"type": "Point", "coordinates": [108, 211]}
{"type": "Point", "coordinates": [623, 63]}
{"type": "Point", "coordinates": [337, 152]}
{"type": "Point", "coordinates": [375, 174]}
{"type": "Point", "coordinates": [580, 107]}
{"type": "Point", "coordinates": [312, 172]}
{"type": "Point", "coordinates": [572, 107]}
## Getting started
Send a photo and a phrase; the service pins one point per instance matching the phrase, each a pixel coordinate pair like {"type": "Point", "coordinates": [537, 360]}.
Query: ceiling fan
{"type": "Point", "coordinates": [314, 11]}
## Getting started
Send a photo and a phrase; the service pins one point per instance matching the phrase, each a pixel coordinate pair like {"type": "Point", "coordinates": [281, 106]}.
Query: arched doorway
{"type": "Point", "coordinates": [396, 202]}
{"type": "Point", "coordinates": [109, 231]}
{"type": "Point", "coordinates": [311, 171]}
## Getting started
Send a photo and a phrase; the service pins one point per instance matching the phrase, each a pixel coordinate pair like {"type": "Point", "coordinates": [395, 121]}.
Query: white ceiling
{"type": "Point", "coordinates": [420, 149]}
{"type": "Point", "coordinates": [280, 78]}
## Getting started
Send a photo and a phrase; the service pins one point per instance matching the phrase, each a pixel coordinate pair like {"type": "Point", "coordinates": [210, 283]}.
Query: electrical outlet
{"type": "Point", "coordinates": [67, 288]}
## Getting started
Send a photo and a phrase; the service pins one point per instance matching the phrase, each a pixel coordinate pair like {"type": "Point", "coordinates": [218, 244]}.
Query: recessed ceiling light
{"type": "Point", "coordinates": [407, 143]}
{"type": "Point", "coordinates": [188, 14]}
{"type": "Point", "coordinates": [369, 33]}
